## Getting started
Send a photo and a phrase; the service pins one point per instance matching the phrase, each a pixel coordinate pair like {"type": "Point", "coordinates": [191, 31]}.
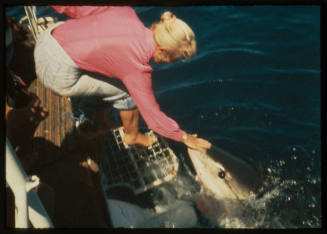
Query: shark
{"type": "Point", "coordinates": [227, 182]}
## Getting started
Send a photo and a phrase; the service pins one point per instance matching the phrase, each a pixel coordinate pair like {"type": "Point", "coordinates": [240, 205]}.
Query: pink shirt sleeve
{"type": "Point", "coordinates": [139, 86]}
{"type": "Point", "coordinates": [76, 12]}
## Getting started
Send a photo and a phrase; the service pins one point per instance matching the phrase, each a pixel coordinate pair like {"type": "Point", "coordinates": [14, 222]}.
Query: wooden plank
{"type": "Point", "coordinates": [58, 123]}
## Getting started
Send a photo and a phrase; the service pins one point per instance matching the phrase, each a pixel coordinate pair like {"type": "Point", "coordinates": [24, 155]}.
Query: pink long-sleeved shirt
{"type": "Point", "coordinates": [114, 42]}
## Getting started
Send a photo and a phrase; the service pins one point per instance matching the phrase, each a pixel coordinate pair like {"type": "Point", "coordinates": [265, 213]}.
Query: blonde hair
{"type": "Point", "coordinates": [175, 36]}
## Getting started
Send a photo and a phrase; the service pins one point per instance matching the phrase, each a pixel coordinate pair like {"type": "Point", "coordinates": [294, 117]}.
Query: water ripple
{"type": "Point", "coordinates": [293, 70]}
{"type": "Point", "coordinates": [240, 49]}
{"type": "Point", "coordinates": [272, 131]}
{"type": "Point", "coordinates": [212, 52]}
{"type": "Point", "coordinates": [190, 84]}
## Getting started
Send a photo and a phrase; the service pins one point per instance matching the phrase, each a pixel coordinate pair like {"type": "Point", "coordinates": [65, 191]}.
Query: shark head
{"type": "Point", "coordinates": [226, 175]}
{"type": "Point", "coordinates": [227, 182]}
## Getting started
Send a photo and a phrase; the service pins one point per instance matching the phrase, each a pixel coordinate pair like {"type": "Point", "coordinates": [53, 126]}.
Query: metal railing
{"type": "Point", "coordinates": [28, 206]}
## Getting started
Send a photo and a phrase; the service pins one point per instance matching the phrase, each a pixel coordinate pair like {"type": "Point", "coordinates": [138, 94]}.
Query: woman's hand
{"type": "Point", "coordinates": [192, 141]}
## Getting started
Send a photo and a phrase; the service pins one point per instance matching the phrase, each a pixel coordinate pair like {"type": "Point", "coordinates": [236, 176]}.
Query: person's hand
{"type": "Point", "coordinates": [192, 141]}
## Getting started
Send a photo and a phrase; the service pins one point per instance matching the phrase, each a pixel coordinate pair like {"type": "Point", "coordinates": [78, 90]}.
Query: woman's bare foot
{"type": "Point", "coordinates": [139, 139]}
{"type": "Point", "coordinates": [130, 121]}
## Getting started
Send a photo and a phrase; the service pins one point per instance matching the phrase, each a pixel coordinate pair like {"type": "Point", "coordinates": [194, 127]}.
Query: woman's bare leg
{"type": "Point", "coordinates": [130, 120]}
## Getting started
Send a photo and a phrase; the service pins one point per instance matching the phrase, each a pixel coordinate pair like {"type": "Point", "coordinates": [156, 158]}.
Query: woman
{"type": "Point", "coordinates": [105, 51]}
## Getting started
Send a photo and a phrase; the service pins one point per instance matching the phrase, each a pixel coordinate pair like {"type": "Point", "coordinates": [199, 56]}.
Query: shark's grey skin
{"type": "Point", "coordinates": [226, 175]}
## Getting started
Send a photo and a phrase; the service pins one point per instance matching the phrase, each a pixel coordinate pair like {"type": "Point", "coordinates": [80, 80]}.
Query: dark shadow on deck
{"type": "Point", "coordinates": [64, 159]}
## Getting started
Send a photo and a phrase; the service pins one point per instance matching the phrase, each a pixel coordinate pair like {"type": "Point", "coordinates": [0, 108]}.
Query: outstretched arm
{"type": "Point", "coordinates": [139, 87]}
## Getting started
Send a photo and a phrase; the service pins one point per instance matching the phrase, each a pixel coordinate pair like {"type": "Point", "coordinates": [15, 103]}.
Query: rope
{"type": "Point", "coordinates": [32, 19]}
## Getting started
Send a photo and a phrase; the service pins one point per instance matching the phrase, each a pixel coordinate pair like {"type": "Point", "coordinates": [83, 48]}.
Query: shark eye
{"type": "Point", "coordinates": [222, 174]}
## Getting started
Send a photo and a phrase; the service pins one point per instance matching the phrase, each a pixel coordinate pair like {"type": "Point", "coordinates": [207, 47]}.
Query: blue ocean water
{"type": "Point", "coordinates": [253, 89]}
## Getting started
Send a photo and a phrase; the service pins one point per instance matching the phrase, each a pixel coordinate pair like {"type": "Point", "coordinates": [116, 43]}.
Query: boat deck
{"type": "Point", "coordinates": [72, 170]}
{"type": "Point", "coordinates": [59, 122]}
